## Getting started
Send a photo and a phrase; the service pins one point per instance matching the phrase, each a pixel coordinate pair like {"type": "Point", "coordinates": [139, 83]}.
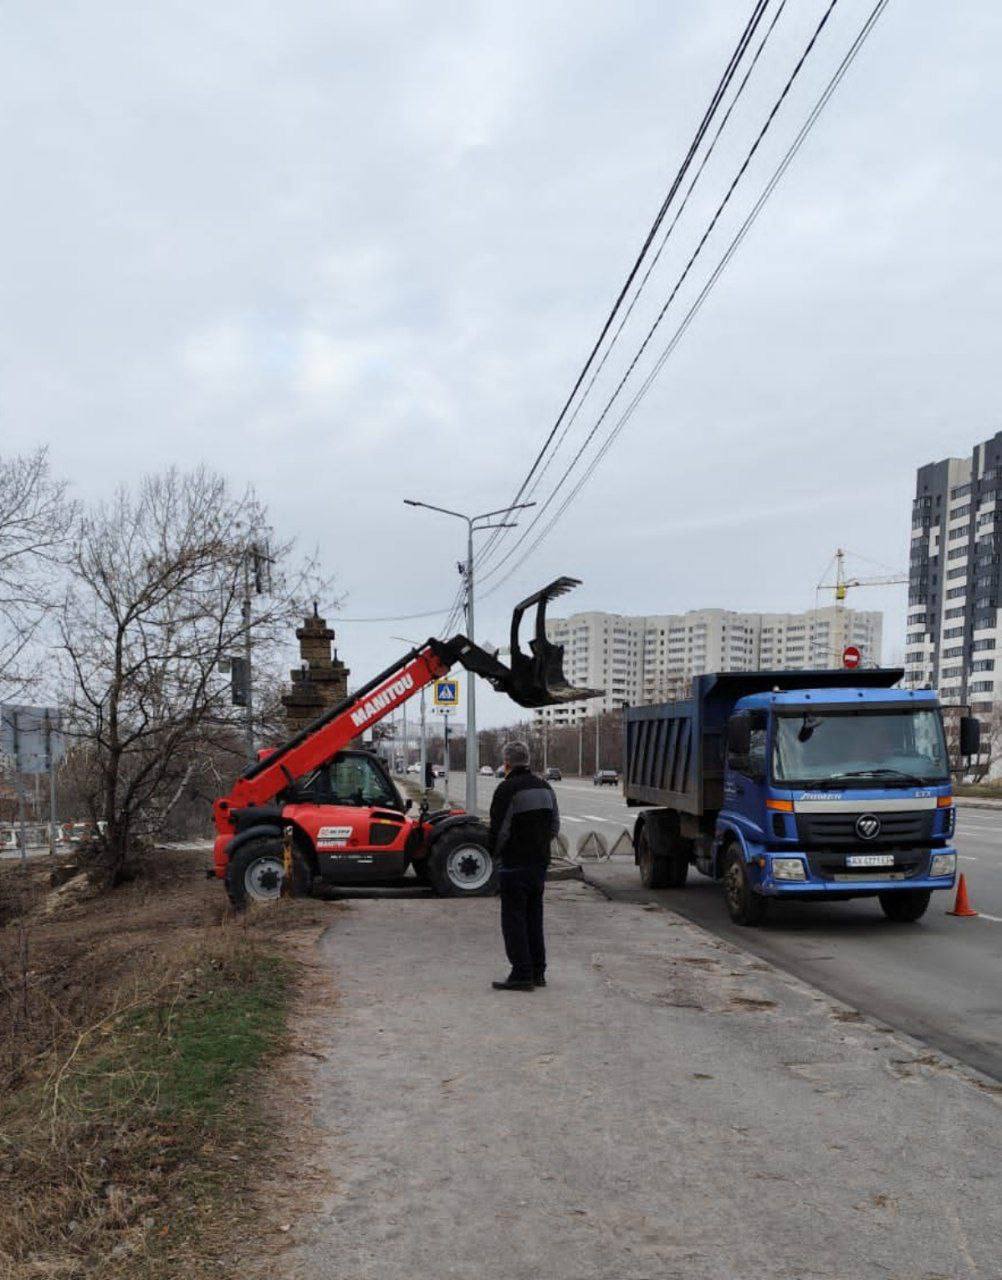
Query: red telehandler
{"type": "Point", "coordinates": [348, 822]}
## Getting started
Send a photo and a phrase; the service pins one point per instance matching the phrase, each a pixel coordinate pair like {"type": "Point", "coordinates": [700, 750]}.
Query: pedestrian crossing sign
{"type": "Point", "coordinates": [446, 693]}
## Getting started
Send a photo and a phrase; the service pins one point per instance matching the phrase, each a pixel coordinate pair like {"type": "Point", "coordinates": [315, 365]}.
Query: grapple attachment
{"type": "Point", "coordinates": [537, 678]}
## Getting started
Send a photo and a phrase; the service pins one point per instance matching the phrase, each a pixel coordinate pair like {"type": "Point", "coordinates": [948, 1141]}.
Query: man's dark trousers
{"type": "Point", "coordinates": [521, 890]}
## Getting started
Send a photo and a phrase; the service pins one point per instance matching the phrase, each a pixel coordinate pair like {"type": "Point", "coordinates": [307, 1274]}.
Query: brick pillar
{"type": "Point", "coordinates": [322, 679]}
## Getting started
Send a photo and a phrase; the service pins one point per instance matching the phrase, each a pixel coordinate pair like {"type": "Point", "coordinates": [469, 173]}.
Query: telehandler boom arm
{"type": "Point", "coordinates": [533, 680]}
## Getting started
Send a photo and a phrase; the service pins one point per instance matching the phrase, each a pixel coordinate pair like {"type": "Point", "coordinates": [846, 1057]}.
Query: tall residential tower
{"type": "Point", "coordinates": [955, 577]}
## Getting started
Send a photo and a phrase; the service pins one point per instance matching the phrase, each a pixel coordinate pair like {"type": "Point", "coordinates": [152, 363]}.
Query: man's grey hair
{"type": "Point", "coordinates": [514, 754]}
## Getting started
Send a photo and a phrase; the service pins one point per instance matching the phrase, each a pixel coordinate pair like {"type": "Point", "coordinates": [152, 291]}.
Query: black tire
{"type": "Point", "coordinates": [653, 870]}
{"type": "Point", "coordinates": [744, 905]}
{"type": "Point", "coordinates": [905, 906]}
{"type": "Point", "coordinates": [257, 872]}
{"type": "Point", "coordinates": [461, 865]}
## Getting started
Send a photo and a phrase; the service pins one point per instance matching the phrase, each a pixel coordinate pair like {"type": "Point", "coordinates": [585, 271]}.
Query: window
{"type": "Point", "coordinates": [956, 592]}
{"type": "Point", "coordinates": [954, 613]}
{"type": "Point", "coordinates": [952, 633]}
{"type": "Point", "coordinates": [959, 572]}
{"type": "Point", "coordinates": [980, 686]}
{"type": "Point", "coordinates": [983, 664]}
{"type": "Point", "coordinates": [980, 645]}
{"type": "Point", "coordinates": [356, 780]}
{"type": "Point", "coordinates": [821, 746]}
{"type": "Point", "coordinates": [753, 765]}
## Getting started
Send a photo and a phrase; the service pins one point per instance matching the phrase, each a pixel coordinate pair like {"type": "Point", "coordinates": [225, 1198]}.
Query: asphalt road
{"type": "Point", "coordinates": [939, 980]}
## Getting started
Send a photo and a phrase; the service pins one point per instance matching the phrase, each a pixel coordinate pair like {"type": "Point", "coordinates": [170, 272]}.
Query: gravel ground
{"type": "Point", "coordinates": [666, 1107]}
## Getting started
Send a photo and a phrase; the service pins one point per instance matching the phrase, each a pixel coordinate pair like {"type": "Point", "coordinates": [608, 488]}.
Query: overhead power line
{"type": "Point", "coordinates": [624, 320]}
{"type": "Point", "coordinates": [819, 106]}
{"type": "Point", "coordinates": [730, 70]}
{"type": "Point", "coordinates": [675, 290]}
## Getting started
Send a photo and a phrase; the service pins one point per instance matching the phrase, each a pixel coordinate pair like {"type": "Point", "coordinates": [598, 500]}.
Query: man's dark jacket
{"type": "Point", "coordinates": [524, 819]}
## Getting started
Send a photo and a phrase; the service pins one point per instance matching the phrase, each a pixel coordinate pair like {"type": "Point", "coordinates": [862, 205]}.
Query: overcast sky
{"type": "Point", "coordinates": [356, 252]}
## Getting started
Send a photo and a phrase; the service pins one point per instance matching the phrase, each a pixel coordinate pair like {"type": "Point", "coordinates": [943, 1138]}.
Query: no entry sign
{"type": "Point", "coordinates": [851, 656]}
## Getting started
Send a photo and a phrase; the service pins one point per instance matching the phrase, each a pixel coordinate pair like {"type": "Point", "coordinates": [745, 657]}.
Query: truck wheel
{"type": "Point", "coordinates": [678, 862]}
{"type": "Point", "coordinates": [906, 906]}
{"type": "Point", "coordinates": [460, 864]}
{"type": "Point", "coordinates": [654, 872]}
{"type": "Point", "coordinates": [257, 872]}
{"type": "Point", "coordinates": [744, 905]}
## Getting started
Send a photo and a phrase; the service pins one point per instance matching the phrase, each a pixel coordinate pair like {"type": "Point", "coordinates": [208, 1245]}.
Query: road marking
{"type": "Point", "coordinates": [994, 919]}
{"type": "Point", "coordinates": [593, 817]}
{"type": "Point", "coordinates": [569, 817]}
{"type": "Point", "coordinates": [967, 857]}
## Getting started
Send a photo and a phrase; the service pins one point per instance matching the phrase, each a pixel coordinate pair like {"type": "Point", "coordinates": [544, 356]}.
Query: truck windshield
{"type": "Point", "coordinates": [859, 748]}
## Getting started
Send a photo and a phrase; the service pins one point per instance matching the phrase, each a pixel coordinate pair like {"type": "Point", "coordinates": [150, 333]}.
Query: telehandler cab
{"type": "Point", "coordinates": [348, 822]}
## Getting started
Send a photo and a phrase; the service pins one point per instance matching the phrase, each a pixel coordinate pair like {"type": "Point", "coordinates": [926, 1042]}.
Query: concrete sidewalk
{"type": "Point", "coordinates": [667, 1107]}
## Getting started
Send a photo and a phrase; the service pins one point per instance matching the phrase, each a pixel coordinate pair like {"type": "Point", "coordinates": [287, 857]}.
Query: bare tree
{"type": "Point", "coordinates": [36, 516]}
{"type": "Point", "coordinates": [155, 603]}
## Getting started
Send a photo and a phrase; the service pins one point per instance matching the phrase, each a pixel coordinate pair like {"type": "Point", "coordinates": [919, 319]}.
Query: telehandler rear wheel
{"type": "Point", "coordinates": [460, 864]}
{"type": "Point", "coordinates": [257, 872]}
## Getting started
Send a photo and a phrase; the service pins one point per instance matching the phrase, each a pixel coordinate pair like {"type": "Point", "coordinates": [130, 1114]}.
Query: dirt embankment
{"type": "Point", "coordinates": [140, 1032]}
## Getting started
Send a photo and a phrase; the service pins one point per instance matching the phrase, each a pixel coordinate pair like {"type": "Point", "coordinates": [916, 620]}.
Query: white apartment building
{"type": "Point", "coordinates": [653, 658]}
{"type": "Point", "coordinates": [955, 580]}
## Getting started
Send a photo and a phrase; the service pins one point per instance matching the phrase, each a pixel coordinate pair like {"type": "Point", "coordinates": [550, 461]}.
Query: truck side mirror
{"type": "Point", "coordinates": [738, 737]}
{"type": "Point", "coordinates": [970, 735]}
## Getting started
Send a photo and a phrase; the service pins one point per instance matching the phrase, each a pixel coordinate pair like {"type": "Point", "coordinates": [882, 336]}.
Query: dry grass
{"type": "Point", "coordinates": [135, 1029]}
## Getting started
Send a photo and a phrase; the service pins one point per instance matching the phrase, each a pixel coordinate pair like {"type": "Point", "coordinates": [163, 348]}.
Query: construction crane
{"type": "Point", "coordinates": [842, 584]}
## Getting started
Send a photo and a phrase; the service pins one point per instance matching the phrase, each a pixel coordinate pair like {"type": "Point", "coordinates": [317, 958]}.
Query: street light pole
{"type": "Point", "coordinates": [424, 738]}
{"type": "Point", "coordinates": [472, 526]}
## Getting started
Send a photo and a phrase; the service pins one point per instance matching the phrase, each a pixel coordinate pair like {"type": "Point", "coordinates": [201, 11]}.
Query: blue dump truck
{"type": "Point", "coordinates": [818, 785]}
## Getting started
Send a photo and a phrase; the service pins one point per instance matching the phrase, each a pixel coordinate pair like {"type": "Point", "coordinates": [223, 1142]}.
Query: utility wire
{"type": "Point", "coordinates": [751, 26]}
{"type": "Point", "coordinates": [661, 248]}
{"type": "Point", "coordinates": [732, 248]}
{"type": "Point", "coordinates": [678, 285]}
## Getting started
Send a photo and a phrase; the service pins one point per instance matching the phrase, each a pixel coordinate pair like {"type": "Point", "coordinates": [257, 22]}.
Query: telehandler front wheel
{"type": "Point", "coordinates": [256, 873]}
{"type": "Point", "coordinates": [461, 865]}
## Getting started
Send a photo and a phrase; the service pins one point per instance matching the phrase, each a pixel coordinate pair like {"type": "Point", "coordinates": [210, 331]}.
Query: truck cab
{"type": "Point", "coordinates": [829, 796]}
{"type": "Point", "coordinates": [797, 785]}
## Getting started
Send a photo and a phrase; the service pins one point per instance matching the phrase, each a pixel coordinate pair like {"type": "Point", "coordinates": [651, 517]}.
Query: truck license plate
{"type": "Point", "coordinates": [869, 860]}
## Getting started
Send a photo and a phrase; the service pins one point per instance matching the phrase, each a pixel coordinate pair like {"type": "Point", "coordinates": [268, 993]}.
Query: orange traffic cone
{"type": "Point", "coordinates": [962, 907]}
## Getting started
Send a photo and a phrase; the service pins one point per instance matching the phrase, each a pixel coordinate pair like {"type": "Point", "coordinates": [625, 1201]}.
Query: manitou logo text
{"type": "Point", "coordinates": [381, 700]}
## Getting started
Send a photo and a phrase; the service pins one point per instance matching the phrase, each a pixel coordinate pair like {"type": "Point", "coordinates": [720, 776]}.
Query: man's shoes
{"type": "Point", "coordinates": [514, 984]}
{"type": "Point", "coordinates": [539, 979]}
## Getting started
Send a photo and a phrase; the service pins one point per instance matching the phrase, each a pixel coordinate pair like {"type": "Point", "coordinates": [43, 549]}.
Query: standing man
{"type": "Point", "coordinates": [524, 820]}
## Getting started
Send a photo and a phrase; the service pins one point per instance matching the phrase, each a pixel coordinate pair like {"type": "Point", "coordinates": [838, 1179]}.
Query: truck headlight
{"type": "Point", "coordinates": [943, 864]}
{"type": "Point", "coordinates": [789, 869]}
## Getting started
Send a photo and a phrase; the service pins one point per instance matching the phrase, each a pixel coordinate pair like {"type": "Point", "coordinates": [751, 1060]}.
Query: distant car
{"type": "Point", "coordinates": [486, 771]}
{"type": "Point", "coordinates": [499, 771]}
{"type": "Point", "coordinates": [553, 774]}
{"type": "Point", "coordinates": [413, 768]}
{"type": "Point", "coordinates": [606, 778]}
{"type": "Point", "coordinates": [437, 771]}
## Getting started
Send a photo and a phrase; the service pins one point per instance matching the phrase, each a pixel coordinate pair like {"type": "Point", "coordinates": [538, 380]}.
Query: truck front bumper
{"type": "Point", "coordinates": [774, 878]}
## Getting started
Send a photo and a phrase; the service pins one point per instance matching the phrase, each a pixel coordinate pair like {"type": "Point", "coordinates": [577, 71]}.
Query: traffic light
{"type": "Point", "coordinates": [239, 682]}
